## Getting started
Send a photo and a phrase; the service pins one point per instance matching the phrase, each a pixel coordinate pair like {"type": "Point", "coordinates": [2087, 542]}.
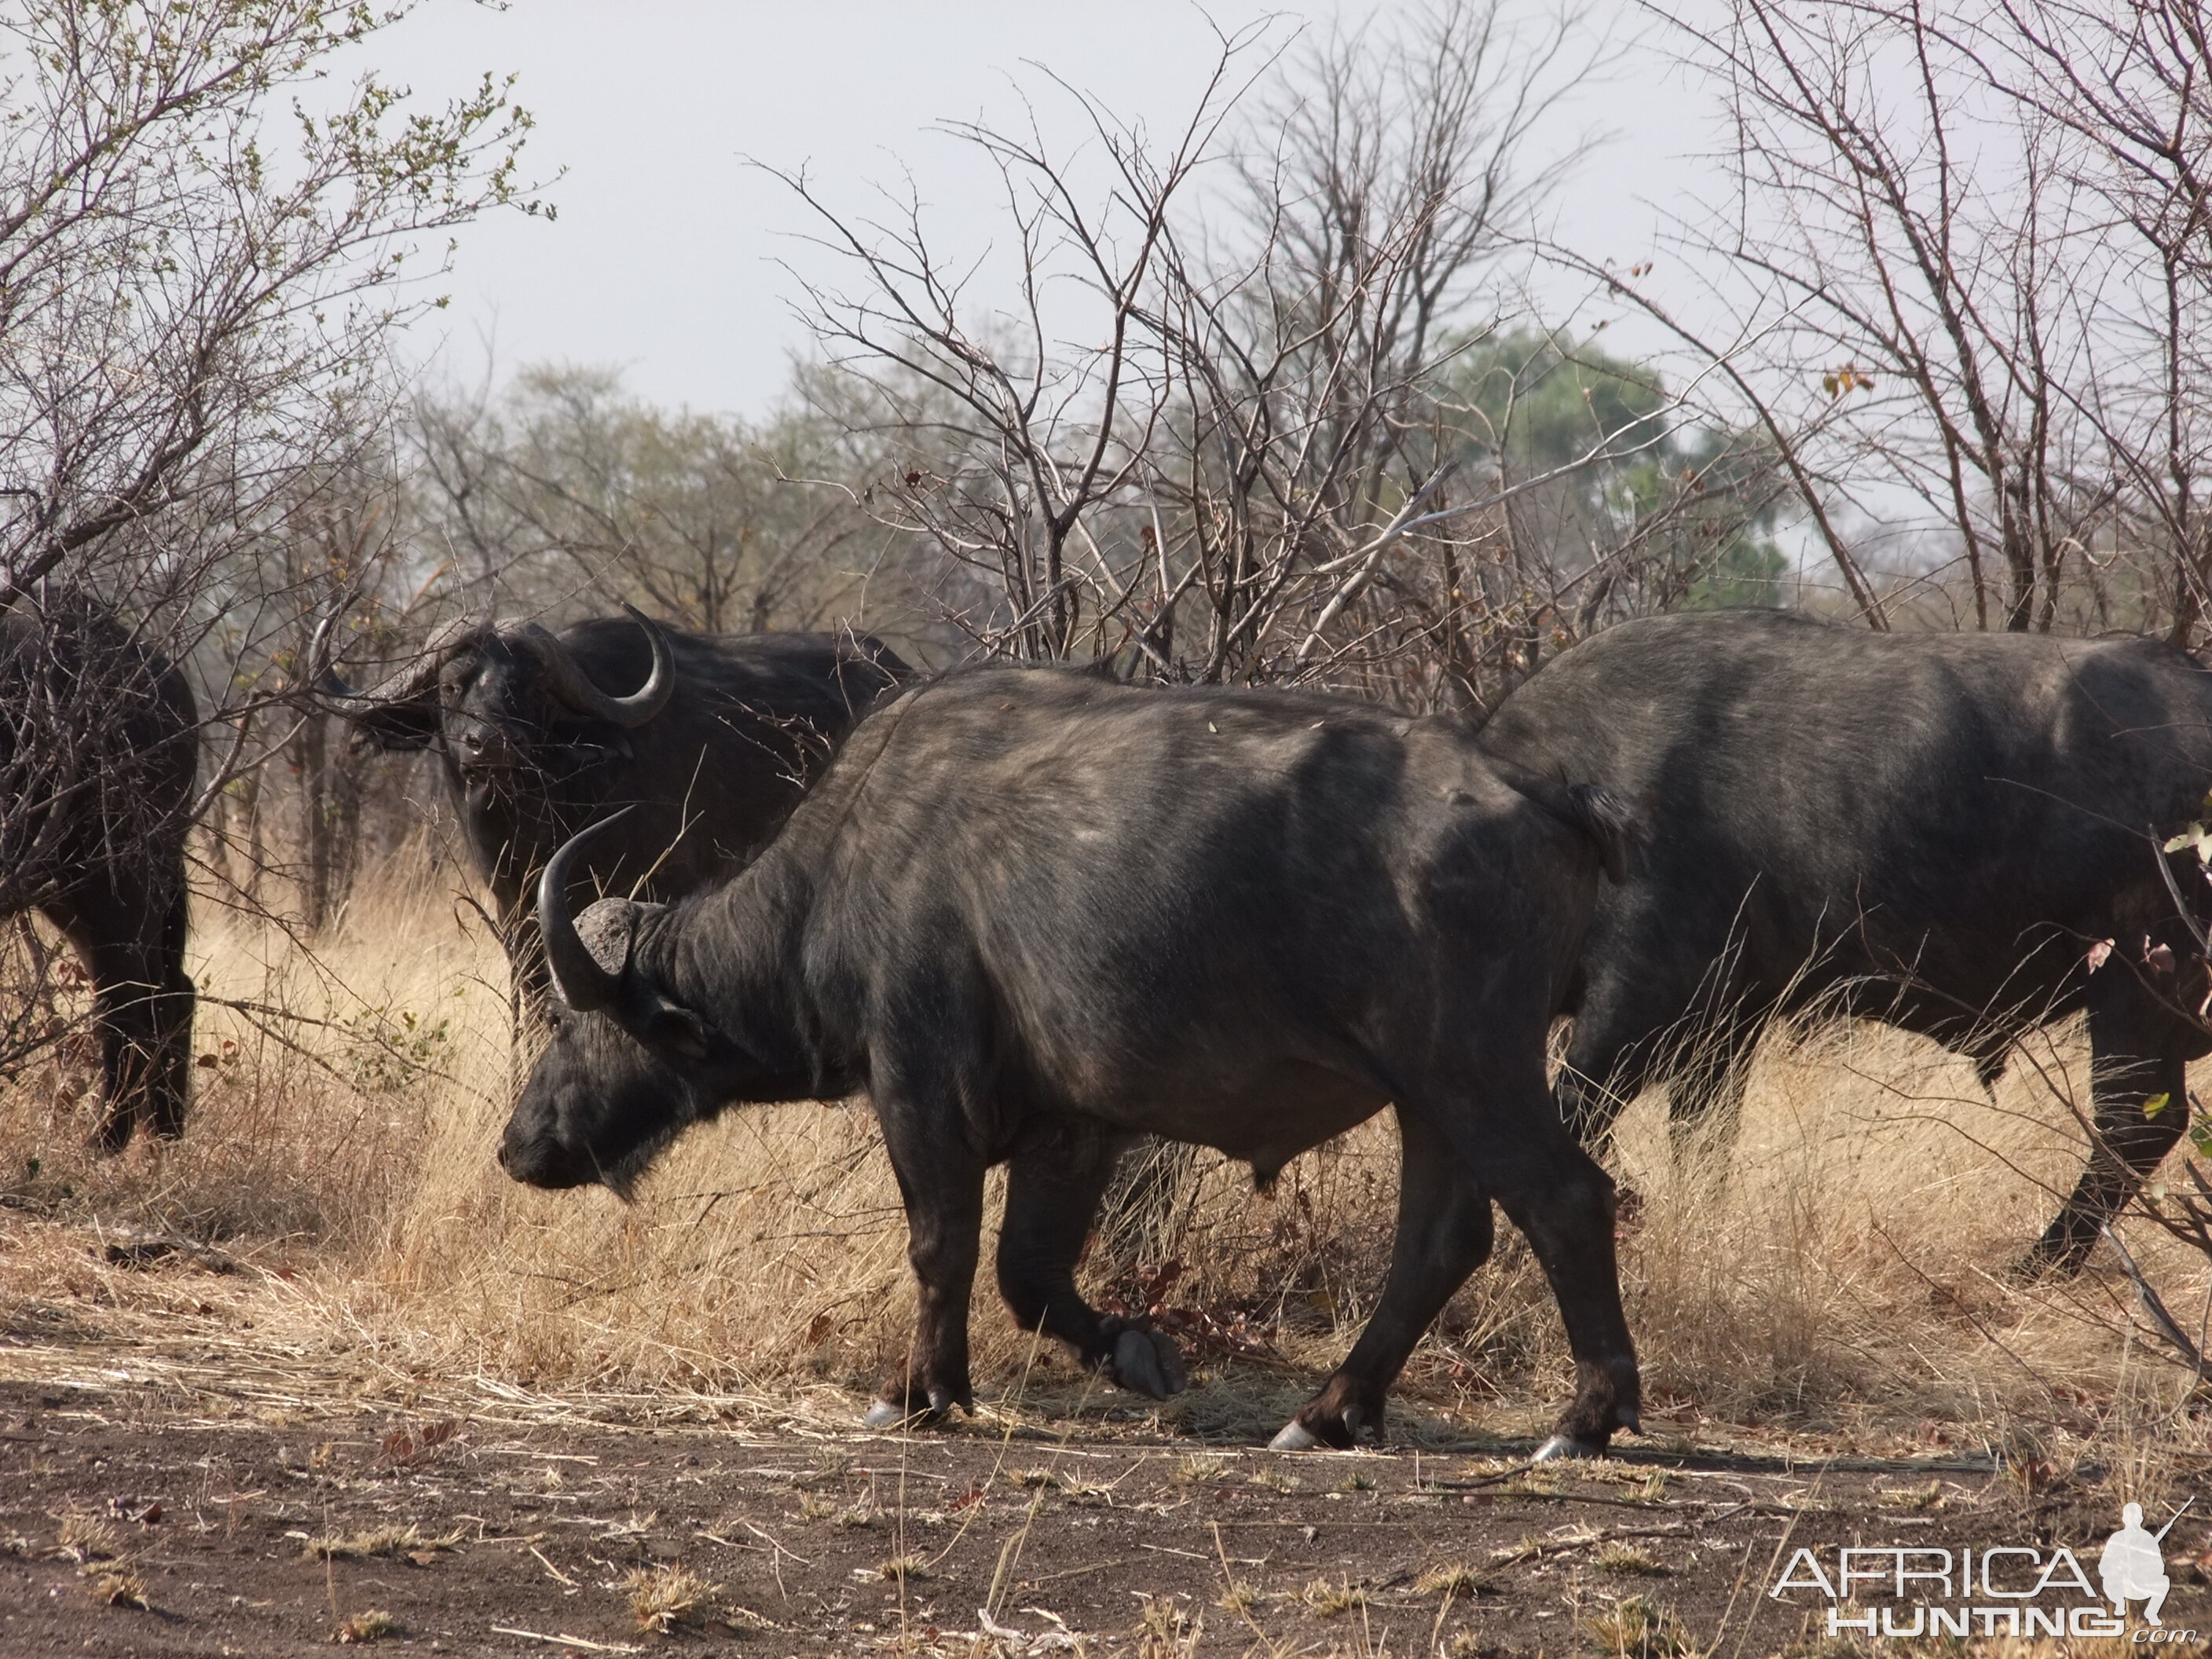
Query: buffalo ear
{"type": "Point", "coordinates": [670, 1025]}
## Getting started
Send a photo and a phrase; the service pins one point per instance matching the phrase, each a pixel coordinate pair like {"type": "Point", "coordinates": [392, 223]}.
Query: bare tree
{"type": "Point", "coordinates": [1250, 464]}
{"type": "Point", "coordinates": [205, 242]}
{"type": "Point", "coordinates": [1961, 286]}
{"type": "Point", "coordinates": [563, 487]}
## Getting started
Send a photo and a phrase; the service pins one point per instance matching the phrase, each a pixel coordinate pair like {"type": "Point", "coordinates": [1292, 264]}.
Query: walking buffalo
{"type": "Point", "coordinates": [1032, 912]}
{"type": "Point", "coordinates": [1953, 833]}
{"type": "Point", "coordinates": [713, 747]}
{"type": "Point", "coordinates": [99, 744]}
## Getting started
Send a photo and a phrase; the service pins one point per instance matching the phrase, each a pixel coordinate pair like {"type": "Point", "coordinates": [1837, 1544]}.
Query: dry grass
{"type": "Point", "coordinates": [665, 1597]}
{"type": "Point", "coordinates": [1841, 1275]}
{"type": "Point", "coordinates": [89, 1538]}
{"type": "Point", "coordinates": [1637, 1627]}
{"type": "Point", "coordinates": [381, 1541]}
{"type": "Point", "coordinates": [1326, 1600]}
{"type": "Point", "coordinates": [120, 1590]}
{"type": "Point", "coordinates": [372, 1625]}
{"type": "Point", "coordinates": [1453, 1578]}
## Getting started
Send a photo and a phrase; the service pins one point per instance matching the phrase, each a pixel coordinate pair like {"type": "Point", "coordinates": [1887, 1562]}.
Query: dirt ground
{"type": "Point", "coordinates": [158, 1510]}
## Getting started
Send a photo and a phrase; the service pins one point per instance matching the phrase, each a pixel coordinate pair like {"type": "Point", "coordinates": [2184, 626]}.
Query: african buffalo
{"type": "Point", "coordinates": [1031, 912]}
{"type": "Point", "coordinates": [99, 743]}
{"type": "Point", "coordinates": [1941, 831]}
{"type": "Point", "coordinates": [714, 746]}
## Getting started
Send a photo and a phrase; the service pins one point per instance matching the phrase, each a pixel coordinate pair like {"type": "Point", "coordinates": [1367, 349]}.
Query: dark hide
{"type": "Point", "coordinates": [98, 748]}
{"type": "Point", "coordinates": [1032, 912]}
{"type": "Point", "coordinates": [752, 720]}
{"type": "Point", "coordinates": [1931, 829]}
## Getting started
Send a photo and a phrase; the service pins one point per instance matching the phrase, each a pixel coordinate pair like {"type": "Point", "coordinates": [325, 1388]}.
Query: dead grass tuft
{"type": "Point", "coordinates": [1455, 1579]}
{"type": "Point", "coordinates": [663, 1598]}
{"type": "Point", "coordinates": [372, 1625]}
{"type": "Point", "coordinates": [1164, 1631]}
{"type": "Point", "coordinates": [1629, 1562]}
{"type": "Point", "coordinates": [1326, 1601]}
{"type": "Point", "coordinates": [1637, 1627]}
{"type": "Point", "coordinates": [1240, 1598]}
{"type": "Point", "coordinates": [378, 1540]}
{"type": "Point", "coordinates": [89, 1538]}
{"type": "Point", "coordinates": [120, 1590]}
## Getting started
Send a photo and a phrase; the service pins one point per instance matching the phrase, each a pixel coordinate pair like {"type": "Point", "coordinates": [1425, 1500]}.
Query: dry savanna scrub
{"type": "Point", "coordinates": [1839, 1270]}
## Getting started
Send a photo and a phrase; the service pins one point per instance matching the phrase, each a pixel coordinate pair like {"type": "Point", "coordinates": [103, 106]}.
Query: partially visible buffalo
{"type": "Point", "coordinates": [1953, 833]}
{"type": "Point", "coordinates": [1033, 912]}
{"type": "Point", "coordinates": [711, 738]}
{"type": "Point", "coordinates": [99, 743]}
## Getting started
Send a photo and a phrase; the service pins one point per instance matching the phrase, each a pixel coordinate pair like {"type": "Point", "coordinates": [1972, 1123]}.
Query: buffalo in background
{"type": "Point", "coordinates": [1032, 912]}
{"type": "Point", "coordinates": [99, 749]}
{"type": "Point", "coordinates": [1957, 834]}
{"type": "Point", "coordinates": [710, 739]}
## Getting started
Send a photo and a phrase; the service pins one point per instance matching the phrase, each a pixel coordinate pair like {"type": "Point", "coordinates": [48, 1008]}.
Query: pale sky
{"type": "Point", "coordinates": [663, 259]}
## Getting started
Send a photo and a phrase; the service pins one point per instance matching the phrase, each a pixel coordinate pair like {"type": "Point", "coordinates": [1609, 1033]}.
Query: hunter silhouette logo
{"type": "Point", "coordinates": [1920, 1590]}
{"type": "Point", "coordinates": [2132, 1567]}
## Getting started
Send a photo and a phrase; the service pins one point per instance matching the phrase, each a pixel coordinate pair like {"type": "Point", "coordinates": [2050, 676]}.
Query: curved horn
{"type": "Point", "coordinates": [405, 685]}
{"type": "Point", "coordinates": [575, 687]}
{"type": "Point", "coordinates": [583, 984]}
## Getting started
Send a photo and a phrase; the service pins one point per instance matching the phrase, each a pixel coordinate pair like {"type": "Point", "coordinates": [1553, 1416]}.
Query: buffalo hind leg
{"type": "Point", "coordinates": [941, 1183]}
{"type": "Point", "coordinates": [142, 1007]}
{"type": "Point", "coordinates": [1053, 1191]}
{"type": "Point", "coordinates": [2130, 1067]}
{"type": "Point", "coordinates": [168, 1088]}
{"type": "Point", "coordinates": [1445, 1233]}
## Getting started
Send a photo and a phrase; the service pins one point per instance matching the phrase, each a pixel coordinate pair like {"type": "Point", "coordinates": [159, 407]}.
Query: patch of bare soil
{"type": "Point", "coordinates": [140, 1516]}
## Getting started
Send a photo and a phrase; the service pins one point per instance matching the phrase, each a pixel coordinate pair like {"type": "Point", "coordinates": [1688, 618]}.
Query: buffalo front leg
{"type": "Point", "coordinates": [1445, 1234]}
{"type": "Point", "coordinates": [941, 1183]}
{"type": "Point", "coordinates": [1563, 1203]}
{"type": "Point", "coordinates": [1053, 1191]}
{"type": "Point", "coordinates": [2142, 1107]}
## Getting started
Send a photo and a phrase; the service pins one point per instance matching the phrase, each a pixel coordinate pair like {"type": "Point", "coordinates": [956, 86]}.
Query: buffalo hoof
{"type": "Point", "coordinates": [112, 1135]}
{"type": "Point", "coordinates": [2048, 1260]}
{"type": "Point", "coordinates": [1560, 1447]}
{"type": "Point", "coordinates": [1294, 1436]}
{"type": "Point", "coordinates": [1147, 1363]}
{"type": "Point", "coordinates": [890, 1414]}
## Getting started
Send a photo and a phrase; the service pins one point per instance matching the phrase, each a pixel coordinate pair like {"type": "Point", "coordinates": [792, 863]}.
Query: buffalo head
{"type": "Point", "coordinates": [626, 1066]}
{"type": "Point", "coordinates": [494, 693]}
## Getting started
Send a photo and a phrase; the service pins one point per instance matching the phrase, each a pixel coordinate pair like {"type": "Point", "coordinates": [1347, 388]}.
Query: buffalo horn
{"type": "Point", "coordinates": [583, 984]}
{"type": "Point", "coordinates": [575, 687]}
{"type": "Point", "coordinates": [403, 686]}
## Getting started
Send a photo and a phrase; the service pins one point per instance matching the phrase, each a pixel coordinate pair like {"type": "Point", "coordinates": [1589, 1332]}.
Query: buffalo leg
{"type": "Point", "coordinates": [167, 1093]}
{"type": "Point", "coordinates": [1445, 1234]}
{"type": "Point", "coordinates": [1619, 1045]}
{"type": "Point", "coordinates": [141, 1007]}
{"type": "Point", "coordinates": [941, 1183]}
{"type": "Point", "coordinates": [1563, 1203]}
{"type": "Point", "coordinates": [2128, 1068]}
{"type": "Point", "coordinates": [1053, 1189]}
